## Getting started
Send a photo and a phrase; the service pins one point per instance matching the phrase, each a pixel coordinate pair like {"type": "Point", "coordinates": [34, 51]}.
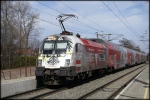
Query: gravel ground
{"type": "Point", "coordinates": [75, 92]}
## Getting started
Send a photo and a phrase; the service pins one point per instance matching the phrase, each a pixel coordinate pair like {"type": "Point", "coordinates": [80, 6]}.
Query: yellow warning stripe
{"type": "Point", "coordinates": [146, 92]}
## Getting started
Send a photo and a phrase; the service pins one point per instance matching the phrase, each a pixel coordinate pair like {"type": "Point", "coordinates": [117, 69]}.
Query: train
{"type": "Point", "coordinates": [66, 57]}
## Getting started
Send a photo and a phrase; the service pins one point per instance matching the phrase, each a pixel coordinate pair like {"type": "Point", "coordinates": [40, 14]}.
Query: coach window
{"type": "Point", "coordinates": [102, 57]}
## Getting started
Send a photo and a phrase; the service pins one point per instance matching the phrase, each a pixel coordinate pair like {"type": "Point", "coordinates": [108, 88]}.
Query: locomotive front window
{"type": "Point", "coordinates": [61, 45]}
{"type": "Point", "coordinates": [48, 46]}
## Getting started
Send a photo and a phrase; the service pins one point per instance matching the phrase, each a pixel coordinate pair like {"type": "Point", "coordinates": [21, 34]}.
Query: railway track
{"type": "Point", "coordinates": [48, 93]}
{"type": "Point", "coordinates": [117, 91]}
{"type": "Point", "coordinates": [61, 89]}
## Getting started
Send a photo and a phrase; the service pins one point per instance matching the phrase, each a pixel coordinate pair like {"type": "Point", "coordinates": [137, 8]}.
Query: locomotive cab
{"type": "Point", "coordinates": [54, 61]}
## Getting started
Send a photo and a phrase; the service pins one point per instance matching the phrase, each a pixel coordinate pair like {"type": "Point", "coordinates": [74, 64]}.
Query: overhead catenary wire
{"type": "Point", "coordinates": [121, 21]}
{"type": "Point", "coordinates": [85, 17]}
{"type": "Point", "coordinates": [54, 15]}
{"type": "Point", "coordinates": [50, 7]}
{"type": "Point", "coordinates": [62, 13]}
{"type": "Point", "coordinates": [146, 30]}
{"type": "Point", "coordinates": [66, 26]}
{"type": "Point", "coordinates": [58, 25]}
{"type": "Point", "coordinates": [52, 23]}
{"type": "Point", "coordinates": [83, 24]}
{"type": "Point", "coordinates": [118, 18]}
{"type": "Point", "coordinates": [75, 19]}
{"type": "Point", "coordinates": [126, 20]}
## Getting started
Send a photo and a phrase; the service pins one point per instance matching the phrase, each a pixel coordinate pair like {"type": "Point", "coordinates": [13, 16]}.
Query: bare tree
{"type": "Point", "coordinates": [129, 44]}
{"type": "Point", "coordinates": [18, 22]}
{"type": "Point", "coordinates": [27, 22]}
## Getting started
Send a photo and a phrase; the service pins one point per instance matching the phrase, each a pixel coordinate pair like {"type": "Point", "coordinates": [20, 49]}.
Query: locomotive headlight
{"type": "Point", "coordinates": [67, 62]}
{"type": "Point", "coordinates": [39, 62]}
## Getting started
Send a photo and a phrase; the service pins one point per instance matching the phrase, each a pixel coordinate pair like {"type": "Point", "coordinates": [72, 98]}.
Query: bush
{"type": "Point", "coordinates": [23, 61]}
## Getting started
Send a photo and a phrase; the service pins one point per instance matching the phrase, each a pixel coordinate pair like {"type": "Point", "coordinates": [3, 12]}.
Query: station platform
{"type": "Point", "coordinates": [15, 86]}
{"type": "Point", "coordinates": [138, 88]}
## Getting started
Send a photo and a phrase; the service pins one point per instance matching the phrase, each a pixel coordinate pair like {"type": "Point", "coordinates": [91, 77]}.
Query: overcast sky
{"type": "Point", "coordinates": [104, 17]}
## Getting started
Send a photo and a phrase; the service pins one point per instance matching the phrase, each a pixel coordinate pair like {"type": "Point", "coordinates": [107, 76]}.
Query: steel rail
{"type": "Point", "coordinates": [61, 89]}
{"type": "Point", "coordinates": [113, 95]}
{"type": "Point", "coordinates": [101, 87]}
{"type": "Point", "coordinates": [48, 93]}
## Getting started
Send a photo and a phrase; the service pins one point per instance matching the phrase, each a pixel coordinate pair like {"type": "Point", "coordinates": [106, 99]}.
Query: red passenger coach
{"type": "Point", "coordinates": [137, 57]}
{"type": "Point", "coordinates": [97, 53]}
{"type": "Point", "coordinates": [129, 56]}
{"type": "Point", "coordinates": [113, 56]}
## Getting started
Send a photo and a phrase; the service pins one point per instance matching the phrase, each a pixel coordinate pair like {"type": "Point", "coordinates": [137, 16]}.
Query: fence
{"type": "Point", "coordinates": [17, 67]}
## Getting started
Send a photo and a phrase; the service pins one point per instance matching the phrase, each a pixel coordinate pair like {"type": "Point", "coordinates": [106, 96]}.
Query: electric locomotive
{"type": "Point", "coordinates": [63, 58]}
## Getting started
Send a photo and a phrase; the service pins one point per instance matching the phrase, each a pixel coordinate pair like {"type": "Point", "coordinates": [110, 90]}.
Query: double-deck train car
{"type": "Point", "coordinates": [64, 57]}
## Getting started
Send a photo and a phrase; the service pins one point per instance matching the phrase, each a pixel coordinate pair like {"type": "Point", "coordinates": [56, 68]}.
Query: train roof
{"type": "Point", "coordinates": [104, 41]}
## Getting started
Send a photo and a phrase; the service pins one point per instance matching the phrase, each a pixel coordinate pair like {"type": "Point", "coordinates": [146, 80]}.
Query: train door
{"type": "Point", "coordinates": [96, 61]}
{"type": "Point", "coordinates": [125, 57]}
{"type": "Point", "coordinates": [102, 60]}
{"type": "Point", "coordinates": [111, 60]}
{"type": "Point", "coordinates": [134, 57]}
{"type": "Point", "coordinates": [137, 57]}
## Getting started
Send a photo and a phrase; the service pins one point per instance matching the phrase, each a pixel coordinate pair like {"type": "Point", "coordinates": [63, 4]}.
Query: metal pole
{"type": "Point", "coordinates": [25, 58]}
{"type": "Point", "coordinates": [20, 67]}
{"type": "Point", "coordinates": [3, 74]}
{"type": "Point", "coordinates": [108, 37]}
{"type": "Point", "coordinates": [30, 66]}
{"type": "Point", "coordinates": [25, 66]}
{"type": "Point", "coordinates": [9, 67]}
{"type": "Point", "coordinates": [97, 35]}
